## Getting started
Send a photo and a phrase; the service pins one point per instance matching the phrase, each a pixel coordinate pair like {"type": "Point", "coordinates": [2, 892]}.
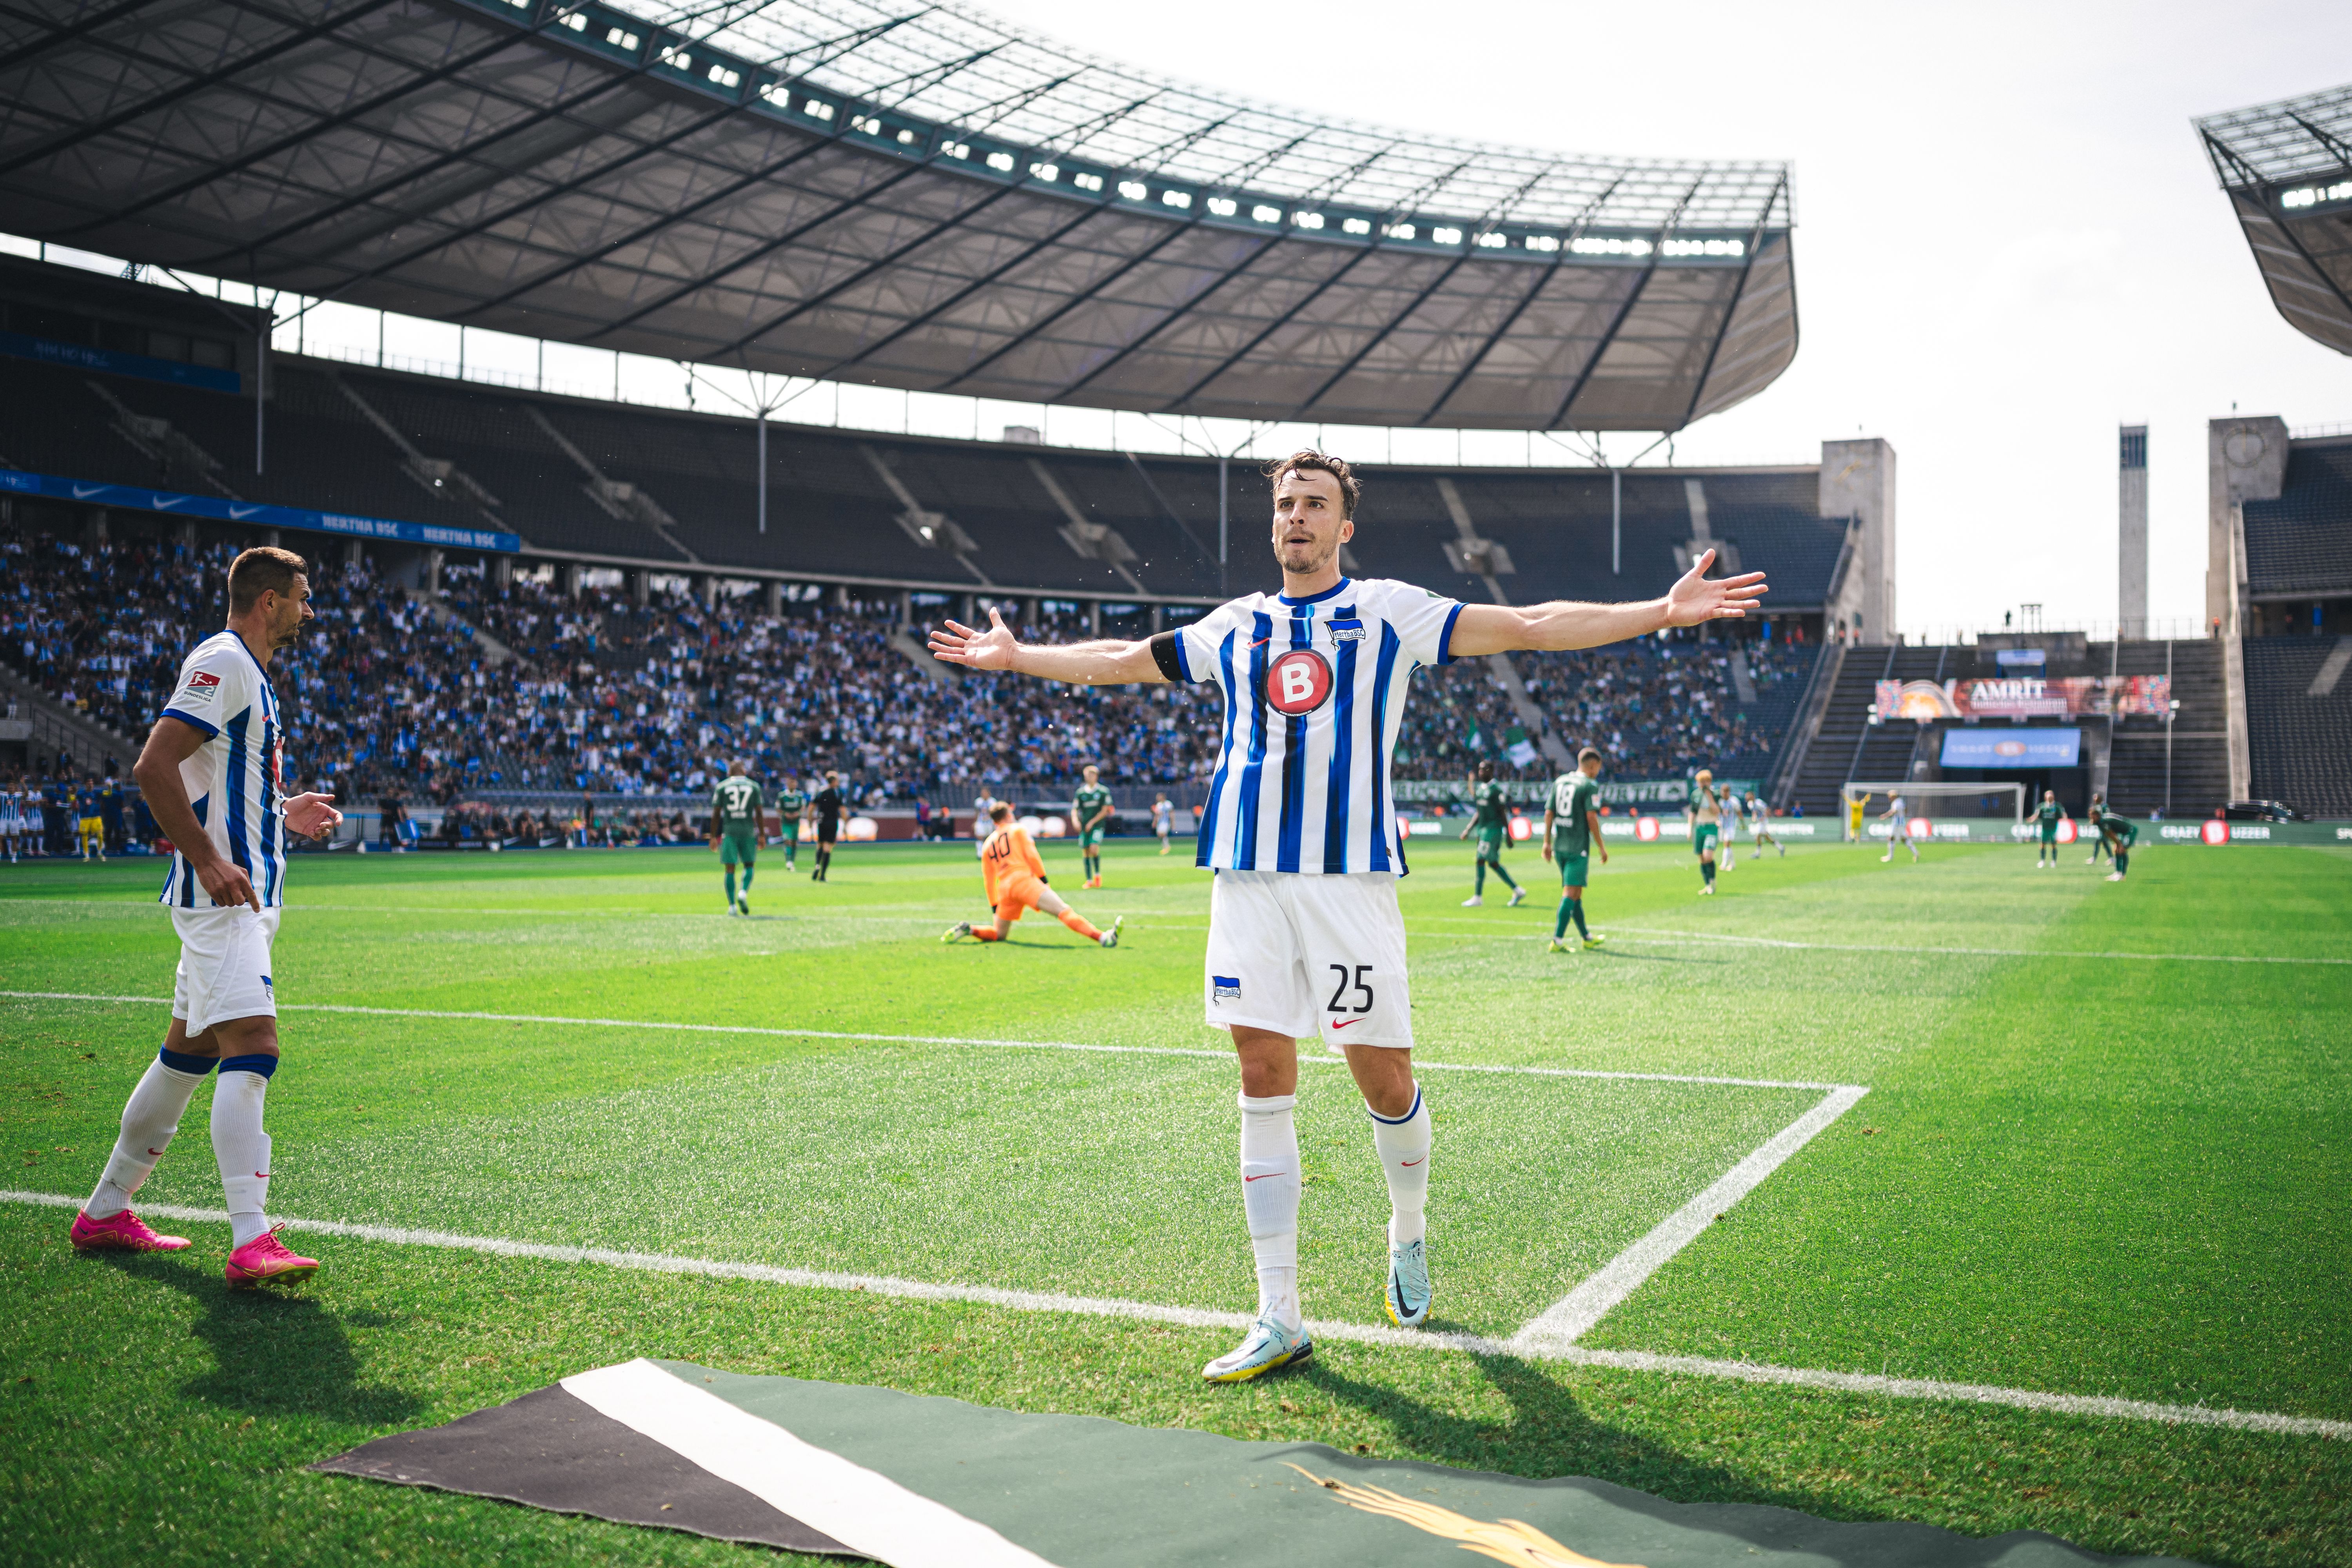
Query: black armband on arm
{"type": "Point", "coordinates": [1164, 655]}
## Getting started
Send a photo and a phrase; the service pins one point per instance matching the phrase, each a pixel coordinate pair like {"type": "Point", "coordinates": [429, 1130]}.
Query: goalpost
{"type": "Point", "coordinates": [1919, 792]}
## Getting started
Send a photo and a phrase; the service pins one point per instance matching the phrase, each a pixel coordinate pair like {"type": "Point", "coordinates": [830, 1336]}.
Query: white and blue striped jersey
{"type": "Point", "coordinates": [1314, 692]}
{"type": "Point", "coordinates": [234, 779]}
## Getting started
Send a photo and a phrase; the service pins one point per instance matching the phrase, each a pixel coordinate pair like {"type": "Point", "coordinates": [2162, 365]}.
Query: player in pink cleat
{"type": "Point", "coordinates": [125, 1232]}
{"type": "Point", "coordinates": [264, 1257]}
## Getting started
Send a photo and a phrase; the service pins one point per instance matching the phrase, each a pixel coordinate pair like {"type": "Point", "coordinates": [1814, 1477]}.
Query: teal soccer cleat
{"type": "Point", "coordinates": [1409, 1294]}
{"type": "Point", "coordinates": [1268, 1347]}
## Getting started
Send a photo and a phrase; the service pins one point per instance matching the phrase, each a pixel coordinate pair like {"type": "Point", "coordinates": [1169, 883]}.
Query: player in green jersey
{"type": "Point", "coordinates": [2121, 833]}
{"type": "Point", "coordinates": [1491, 821]}
{"type": "Point", "coordinates": [1571, 833]}
{"type": "Point", "coordinates": [792, 806]}
{"type": "Point", "coordinates": [2097, 815]}
{"type": "Point", "coordinates": [2046, 818]}
{"type": "Point", "coordinates": [735, 806]}
{"type": "Point", "coordinates": [1706, 813]}
{"type": "Point", "coordinates": [1090, 816]}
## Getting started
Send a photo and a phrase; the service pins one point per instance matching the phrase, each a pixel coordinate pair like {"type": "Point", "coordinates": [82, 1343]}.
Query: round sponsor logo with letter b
{"type": "Point", "coordinates": [1299, 683]}
{"type": "Point", "coordinates": [2216, 831]}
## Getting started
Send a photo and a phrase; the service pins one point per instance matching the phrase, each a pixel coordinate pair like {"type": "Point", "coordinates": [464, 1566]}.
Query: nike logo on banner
{"type": "Point", "coordinates": [238, 514]}
{"type": "Point", "coordinates": [1409, 1164]}
{"type": "Point", "coordinates": [84, 493]}
{"type": "Point", "coordinates": [163, 502]}
{"type": "Point", "coordinates": [1350, 1024]}
{"type": "Point", "coordinates": [1262, 1176]}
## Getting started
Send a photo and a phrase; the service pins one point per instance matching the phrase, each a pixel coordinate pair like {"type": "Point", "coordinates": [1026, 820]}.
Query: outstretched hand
{"type": "Point", "coordinates": [959, 643]}
{"type": "Point", "coordinates": [310, 814]}
{"type": "Point", "coordinates": [1695, 598]}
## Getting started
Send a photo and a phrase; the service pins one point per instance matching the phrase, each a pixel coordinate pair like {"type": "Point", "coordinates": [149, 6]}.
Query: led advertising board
{"type": "Point", "coordinates": [2013, 748]}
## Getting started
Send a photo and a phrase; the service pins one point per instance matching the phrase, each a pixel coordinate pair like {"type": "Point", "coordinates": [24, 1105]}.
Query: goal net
{"type": "Point", "coordinates": [1923, 797]}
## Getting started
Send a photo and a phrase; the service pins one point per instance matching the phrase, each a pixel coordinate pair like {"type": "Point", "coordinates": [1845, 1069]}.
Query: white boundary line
{"type": "Point", "coordinates": [1354, 1334]}
{"type": "Point", "coordinates": [1672, 936]}
{"type": "Point", "coordinates": [1573, 1317]}
{"type": "Point", "coordinates": [1309, 1060]}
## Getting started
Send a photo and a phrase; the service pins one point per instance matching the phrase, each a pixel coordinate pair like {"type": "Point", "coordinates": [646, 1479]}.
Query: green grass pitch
{"type": "Point", "coordinates": [2078, 1173]}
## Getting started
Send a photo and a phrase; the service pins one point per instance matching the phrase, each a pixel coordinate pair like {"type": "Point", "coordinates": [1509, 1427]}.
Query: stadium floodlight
{"type": "Point", "coordinates": [1134, 190]}
{"type": "Point", "coordinates": [1445, 236]}
{"type": "Point", "coordinates": [1265, 213]}
{"type": "Point", "coordinates": [1223, 206]}
{"type": "Point", "coordinates": [1308, 219]}
{"type": "Point", "coordinates": [1179, 199]}
{"type": "Point", "coordinates": [1086, 182]}
{"type": "Point", "coordinates": [1047, 171]}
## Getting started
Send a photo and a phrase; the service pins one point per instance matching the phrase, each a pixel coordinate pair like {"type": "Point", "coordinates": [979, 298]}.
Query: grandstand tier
{"type": "Point", "coordinates": [665, 489]}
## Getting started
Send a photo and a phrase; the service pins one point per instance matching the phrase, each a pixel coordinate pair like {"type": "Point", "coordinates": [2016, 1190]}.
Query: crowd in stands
{"type": "Point", "coordinates": [521, 687]}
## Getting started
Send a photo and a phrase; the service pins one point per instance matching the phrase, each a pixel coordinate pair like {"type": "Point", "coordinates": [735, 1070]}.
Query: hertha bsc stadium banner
{"type": "Point", "coordinates": [919, 1482]}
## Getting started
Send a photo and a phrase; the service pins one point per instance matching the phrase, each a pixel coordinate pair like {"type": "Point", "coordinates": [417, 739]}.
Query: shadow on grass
{"type": "Point", "coordinates": [274, 1352]}
{"type": "Point", "coordinates": [1553, 1432]}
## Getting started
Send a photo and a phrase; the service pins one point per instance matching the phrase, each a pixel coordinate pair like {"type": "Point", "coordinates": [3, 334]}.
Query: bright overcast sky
{"type": "Point", "coordinates": [2008, 239]}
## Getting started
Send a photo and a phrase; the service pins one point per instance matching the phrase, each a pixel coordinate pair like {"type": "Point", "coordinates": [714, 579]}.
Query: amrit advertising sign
{"type": "Point", "coordinates": [2026, 697]}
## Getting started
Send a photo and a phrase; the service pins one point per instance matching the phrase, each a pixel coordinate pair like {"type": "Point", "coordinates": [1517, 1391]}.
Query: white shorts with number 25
{"type": "Point", "coordinates": [1308, 955]}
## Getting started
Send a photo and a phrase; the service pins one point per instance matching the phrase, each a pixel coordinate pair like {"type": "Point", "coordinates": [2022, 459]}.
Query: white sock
{"type": "Point", "coordinates": [242, 1148]}
{"type": "Point", "coordinates": [1403, 1149]}
{"type": "Point", "coordinates": [149, 1119]}
{"type": "Point", "coordinates": [1270, 1200]}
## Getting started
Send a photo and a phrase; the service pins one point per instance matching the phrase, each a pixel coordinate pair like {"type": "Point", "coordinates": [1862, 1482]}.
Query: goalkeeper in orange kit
{"type": "Point", "coordinates": [1016, 884]}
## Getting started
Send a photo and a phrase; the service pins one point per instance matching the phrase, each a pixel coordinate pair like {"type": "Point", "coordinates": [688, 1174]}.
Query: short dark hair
{"type": "Point", "coordinates": [1592, 752]}
{"type": "Point", "coordinates": [1307, 460]}
{"type": "Point", "coordinates": [1485, 767]}
{"type": "Point", "coordinates": [263, 569]}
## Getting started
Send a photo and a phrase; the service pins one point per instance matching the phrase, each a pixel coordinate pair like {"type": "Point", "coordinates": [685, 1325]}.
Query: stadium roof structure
{"type": "Point", "coordinates": [896, 193]}
{"type": "Point", "coordinates": [2288, 168]}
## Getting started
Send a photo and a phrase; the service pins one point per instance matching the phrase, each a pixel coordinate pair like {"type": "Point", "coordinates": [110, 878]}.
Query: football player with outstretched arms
{"type": "Point", "coordinates": [219, 743]}
{"type": "Point", "coordinates": [1305, 936]}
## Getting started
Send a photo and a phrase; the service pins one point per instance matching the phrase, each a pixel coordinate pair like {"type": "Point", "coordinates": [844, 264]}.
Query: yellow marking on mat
{"type": "Point", "coordinates": [1505, 1540]}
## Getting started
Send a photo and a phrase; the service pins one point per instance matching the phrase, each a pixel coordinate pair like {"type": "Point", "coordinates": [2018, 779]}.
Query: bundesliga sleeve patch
{"type": "Point", "coordinates": [201, 686]}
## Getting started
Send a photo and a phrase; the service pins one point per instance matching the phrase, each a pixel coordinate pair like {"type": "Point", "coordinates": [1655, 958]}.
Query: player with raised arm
{"type": "Point", "coordinates": [1015, 879]}
{"type": "Point", "coordinates": [791, 809]}
{"type": "Point", "coordinates": [2046, 818]}
{"type": "Point", "coordinates": [1899, 829]}
{"type": "Point", "coordinates": [1305, 935]}
{"type": "Point", "coordinates": [1163, 820]}
{"type": "Point", "coordinates": [736, 804]}
{"type": "Point", "coordinates": [1090, 810]}
{"type": "Point", "coordinates": [827, 804]}
{"type": "Point", "coordinates": [210, 773]}
{"type": "Point", "coordinates": [1571, 833]}
{"type": "Point", "coordinates": [1704, 811]}
{"type": "Point", "coordinates": [1760, 827]}
{"type": "Point", "coordinates": [1855, 806]}
{"type": "Point", "coordinates": [1490, 819]}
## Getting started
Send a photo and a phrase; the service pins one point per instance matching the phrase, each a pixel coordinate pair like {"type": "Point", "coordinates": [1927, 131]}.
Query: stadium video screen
{"type": "Point", "coordinates": [2050, 747]}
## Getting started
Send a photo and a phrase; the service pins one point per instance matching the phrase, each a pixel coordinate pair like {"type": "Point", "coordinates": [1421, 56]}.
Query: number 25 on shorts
{"type": "Point", "coordinates": [1350, 980]}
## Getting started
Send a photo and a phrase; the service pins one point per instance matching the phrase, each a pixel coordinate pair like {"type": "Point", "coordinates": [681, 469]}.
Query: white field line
{"type": "Point", "coordinates": [1893, 950]}
{"type": "Point", "coordinates": [1353, 1333]}
{"type": "Point", "coordinates": [1571, 1317]}
{"type": "Point", "coordinates": [1307, 1059]}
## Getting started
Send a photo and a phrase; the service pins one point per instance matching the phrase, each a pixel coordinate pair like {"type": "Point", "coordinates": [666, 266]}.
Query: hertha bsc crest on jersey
{"type": "Point", "coordinates": [1225, 987]}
